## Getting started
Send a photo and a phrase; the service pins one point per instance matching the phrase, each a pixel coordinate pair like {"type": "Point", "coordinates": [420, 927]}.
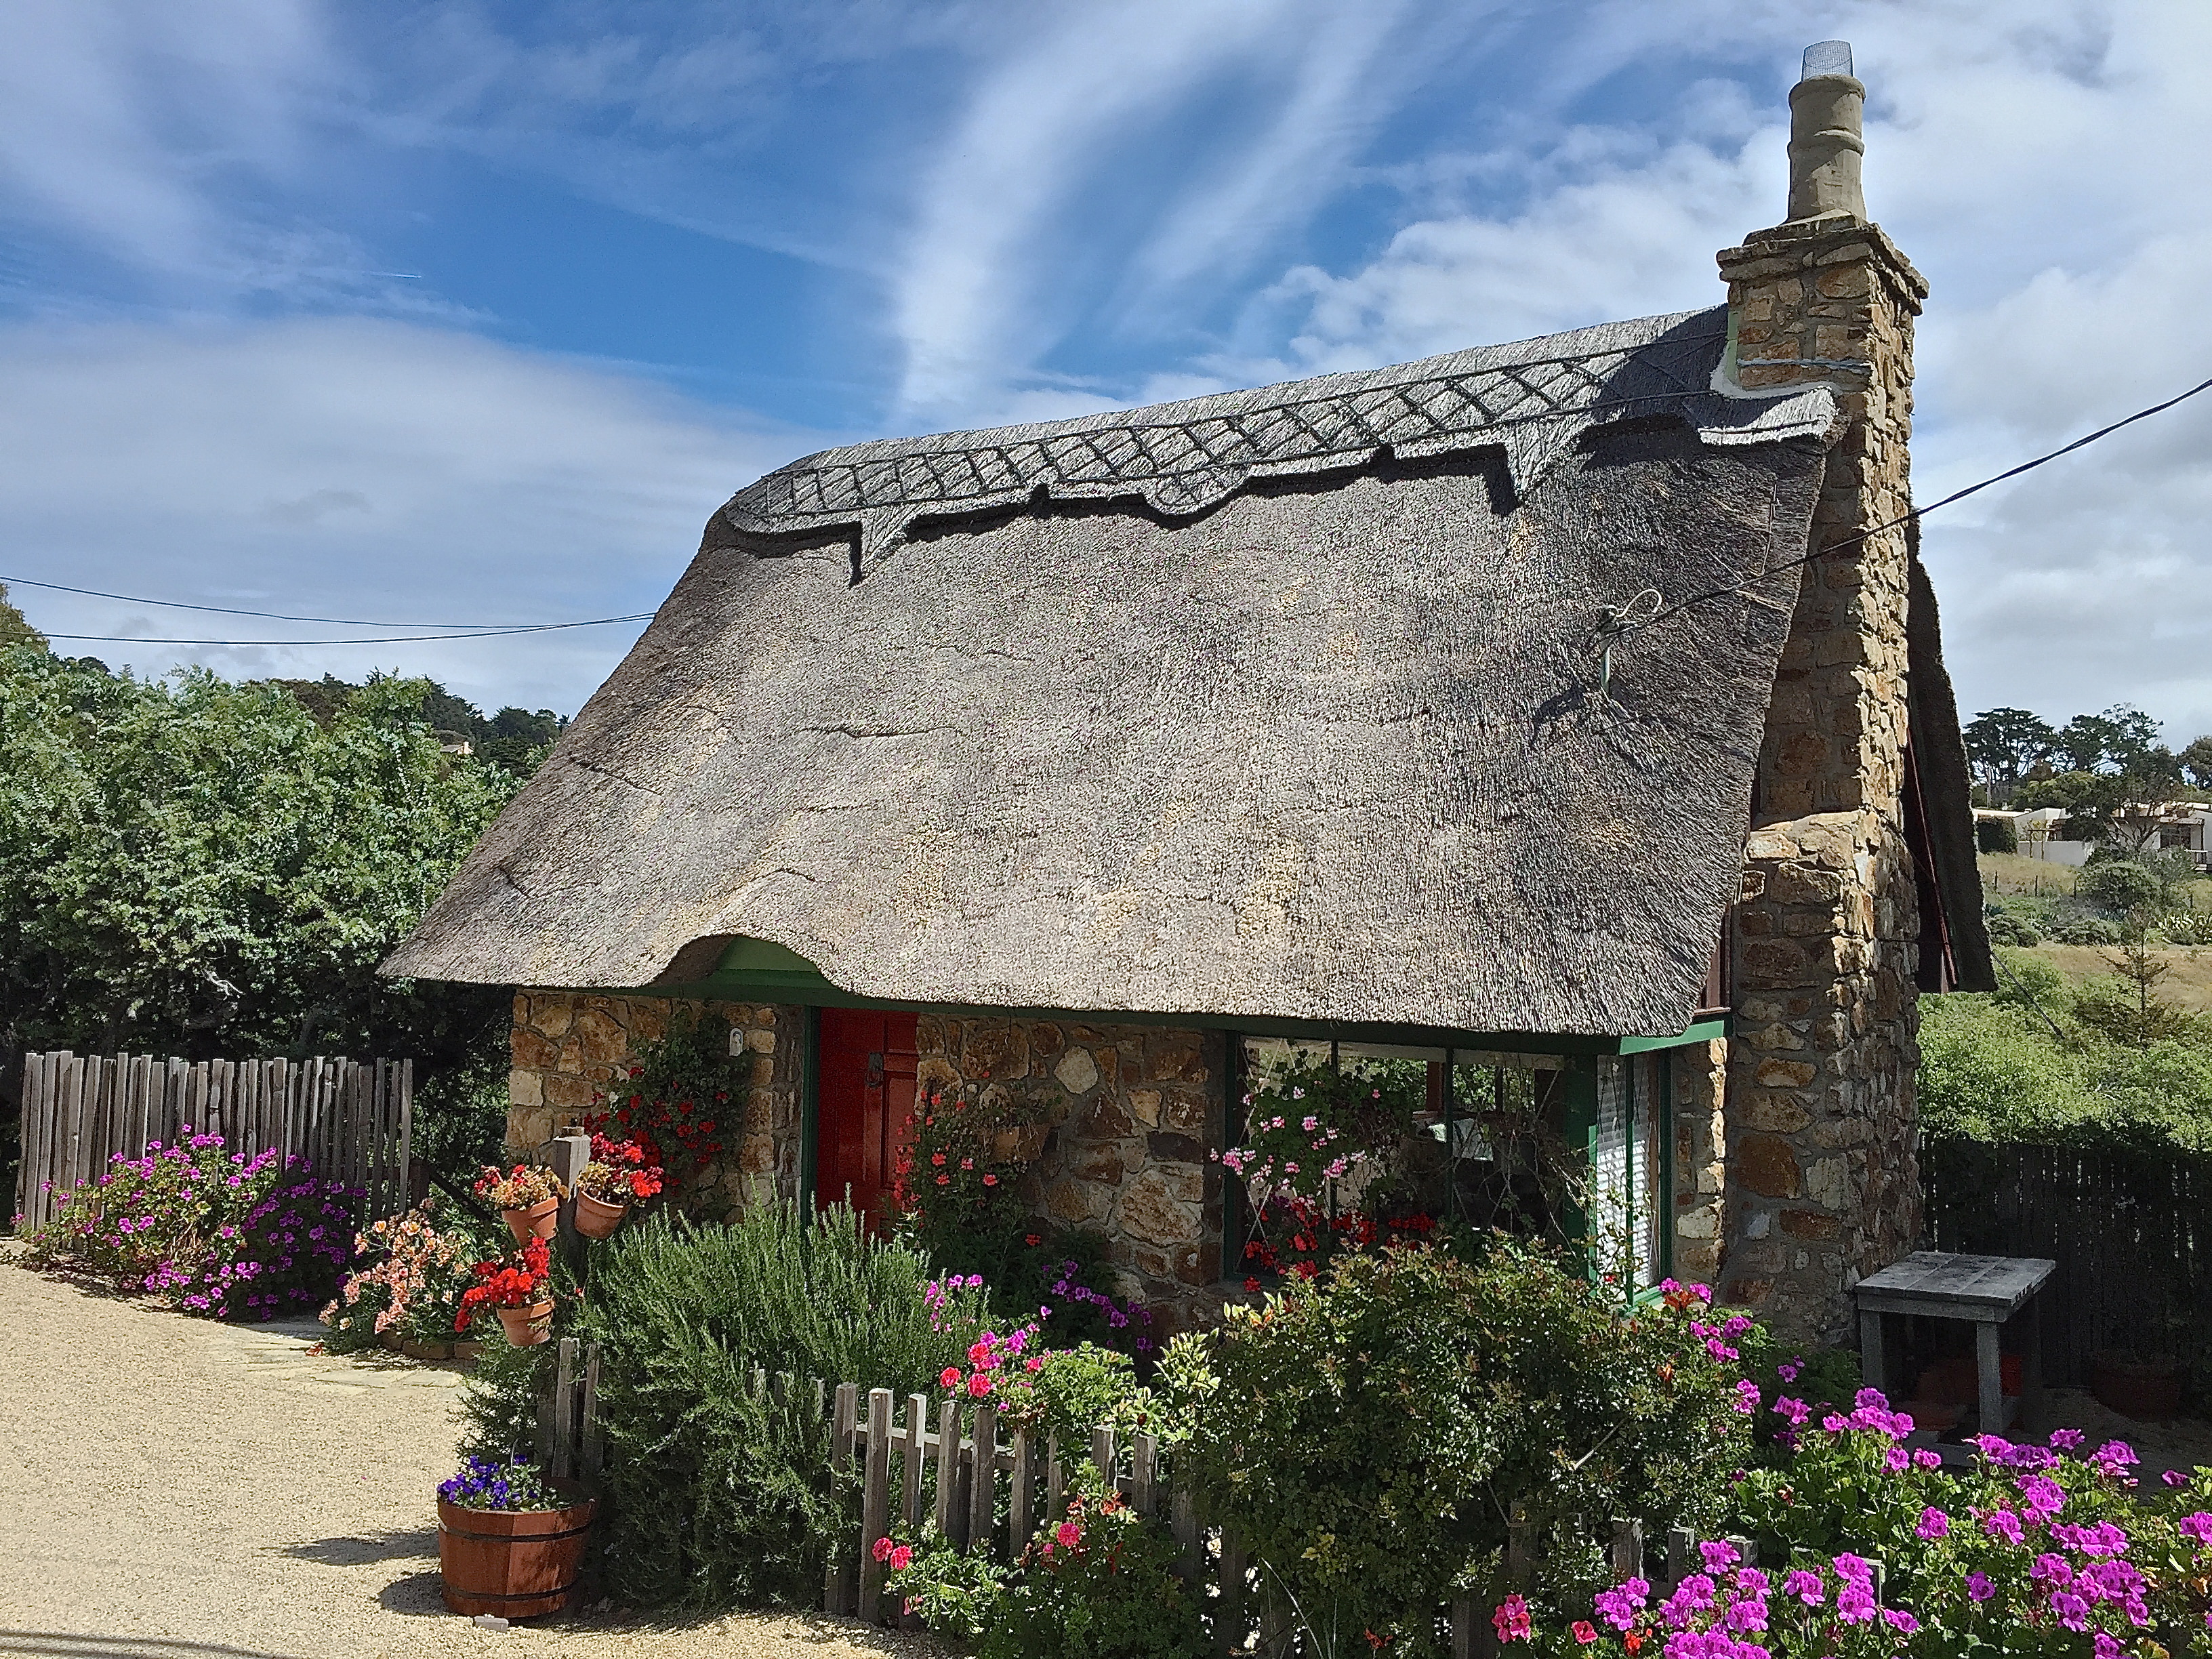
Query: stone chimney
{"type": "Point", "coordinates": [1822, 1184]}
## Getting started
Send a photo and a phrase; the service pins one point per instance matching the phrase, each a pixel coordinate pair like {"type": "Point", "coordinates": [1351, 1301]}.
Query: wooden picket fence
{"type": "Point", "coordinates": [351, 1119]}
{"type": "Point", "coordinates": [943, 1463]}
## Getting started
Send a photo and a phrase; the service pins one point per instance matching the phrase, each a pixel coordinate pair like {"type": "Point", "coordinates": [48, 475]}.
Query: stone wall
{"type": "Point", "coordinates": [1698, 1091]}
{"type": "Point", "coordinates": [1822, 1184]}
{"type": "Point", "coordinates": [1133, 1112]}
{"type": "Point", "coordinates": [570, 1046]}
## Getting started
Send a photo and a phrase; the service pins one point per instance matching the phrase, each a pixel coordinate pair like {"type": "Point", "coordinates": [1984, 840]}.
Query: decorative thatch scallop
{"type": "Point", "coordinates": [1332, 746]}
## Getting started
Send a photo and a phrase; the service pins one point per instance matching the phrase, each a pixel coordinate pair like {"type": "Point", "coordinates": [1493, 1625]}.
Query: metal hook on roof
{"type": "Point", "coordinates": [1616, 621]}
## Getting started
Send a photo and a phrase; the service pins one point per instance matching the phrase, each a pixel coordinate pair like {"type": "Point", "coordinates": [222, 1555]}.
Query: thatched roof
{"type": "Point", "coordinates": [1283, 704]}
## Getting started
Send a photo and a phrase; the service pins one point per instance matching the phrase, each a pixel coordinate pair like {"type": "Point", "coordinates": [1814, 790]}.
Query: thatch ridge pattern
{"type": "Point", "coordinates": [1535, 398]}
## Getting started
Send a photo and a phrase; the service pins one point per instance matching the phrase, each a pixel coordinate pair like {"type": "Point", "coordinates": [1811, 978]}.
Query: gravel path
{"type": "Point", "coordinates": [176, 1489]}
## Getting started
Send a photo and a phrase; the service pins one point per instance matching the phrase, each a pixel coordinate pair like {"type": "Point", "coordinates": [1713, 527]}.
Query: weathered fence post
{"type": "Point", "coordinates": [1229, 1626]}
{"type": "Point", "coordinates": [838, 1575]}
{"type": "Point", "coordinates": [1021, 1511]}
{"type": "Point", "coordinates": [983, 1488]}
{"type": "Point", "coordinates": [875, 1501]}
{"type": "Point", "coordinates": [948, 1464]}
{"type": "Point", "coordinates": [917, 1433]}
{"type": "Point", "coordinates": [1627, 1549]}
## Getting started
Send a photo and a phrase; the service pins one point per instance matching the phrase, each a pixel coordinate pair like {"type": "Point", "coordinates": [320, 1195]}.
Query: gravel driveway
{"type": "Point", "coordinates": [176, 1489]}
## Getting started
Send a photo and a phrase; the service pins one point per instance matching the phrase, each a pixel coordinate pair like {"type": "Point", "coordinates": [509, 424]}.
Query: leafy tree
{"type": "Point", "coordinates": [14, 629]}
{"type": "Point", "coordinates": [198, 868]}
{"type": "Point", "coordinates": [1996, 836]}
{"type": "Point", "coordinates": [2118, 740]}
{"type": "Point", "coordinates": [2005, 743]}
{"type": "Point", "coordinates": [2197, 761]}
{"type": "Point", "coordinates": [514, 739]}
{"type": "Point", "coordinates": [2120, 885]}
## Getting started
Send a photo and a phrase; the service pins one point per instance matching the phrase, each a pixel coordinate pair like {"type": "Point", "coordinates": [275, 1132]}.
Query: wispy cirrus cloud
{"type": "Point", "coordinates": [138, 128]}
{"type": "Point", "coordinates": [353, 467]}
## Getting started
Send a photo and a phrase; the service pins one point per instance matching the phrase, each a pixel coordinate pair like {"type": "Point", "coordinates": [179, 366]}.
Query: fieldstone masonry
{"type": "Point", "coordinates": [1822, 1184]}
{"type": "Point", "coordinates": [1129, 1110]}
{"type": "Point", "coordinates": [1132, 1110]}
{"type": "Point", "coordinates": [1699, 1083]}
{"type": "Point", "coordinates": [570, 1046]}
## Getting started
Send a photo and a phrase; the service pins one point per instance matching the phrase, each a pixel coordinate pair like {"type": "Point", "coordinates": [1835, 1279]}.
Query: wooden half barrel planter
{"type": "Point", "coordinates": [515, 1564]}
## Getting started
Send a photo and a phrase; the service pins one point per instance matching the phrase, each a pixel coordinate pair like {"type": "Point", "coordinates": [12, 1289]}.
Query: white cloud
{"type": "Point", "coordinates": [118, 120]}
{"type": "Point", "coordinates": [1004, 257]}
{"type": "Point", "coordinates": [353, 468]}
{"type": "Point", "coordinates": [2043, 167]}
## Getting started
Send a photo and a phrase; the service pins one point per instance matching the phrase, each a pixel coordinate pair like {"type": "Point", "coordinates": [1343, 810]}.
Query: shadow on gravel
{"type": "Point", "coordinates": [416, 1595]}
{"type": "Point", "coordinates": [75, 1644]}
{"type": "Point", "coordinates": [418, 1544]}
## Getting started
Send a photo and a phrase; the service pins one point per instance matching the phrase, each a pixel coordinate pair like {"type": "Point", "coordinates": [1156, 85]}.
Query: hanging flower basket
{"type": "Point", "coordinates": [521, 1290]}
{"type": "Point", "coordinates": [528, 1326]}
{"type": "Point", "coordinates": [596, 1218]}
{"type": "Point", "coordinates": [529, 1199]}
{"type": "Point", "coordinates": [538, 1221]}
{"type": "Point", "coordinates": [619, 1174]}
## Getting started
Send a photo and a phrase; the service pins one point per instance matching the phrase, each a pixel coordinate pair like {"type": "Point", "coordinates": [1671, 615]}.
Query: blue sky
{"type": "Point", "coordinates": [475, 312]}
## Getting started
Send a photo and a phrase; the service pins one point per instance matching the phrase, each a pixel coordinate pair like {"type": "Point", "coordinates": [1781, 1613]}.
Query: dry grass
{"type": "Point", "coordinates": [2011, 873]}
{"type": "Point", "coordinates": [2189, 985]}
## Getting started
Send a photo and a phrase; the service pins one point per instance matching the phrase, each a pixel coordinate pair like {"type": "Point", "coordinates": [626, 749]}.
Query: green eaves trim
{"type": "Point", "coordinates": [758, 970]}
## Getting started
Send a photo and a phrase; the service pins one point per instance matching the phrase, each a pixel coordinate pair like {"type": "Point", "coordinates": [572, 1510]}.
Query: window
{"type": "Point", "coordinates": [1354, 1143]}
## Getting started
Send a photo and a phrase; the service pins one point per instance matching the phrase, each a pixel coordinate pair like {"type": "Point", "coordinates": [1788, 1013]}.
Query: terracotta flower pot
{"type": "Point", "coordinates": [468, 1350]}
{"type": "Point", "coordinates": [2144, 1386]}
{"type": "Point", "coordinates": [538, 1221]}
{"type": "Point", "coordinates": [515, 1564]}
{"type": "Point", "coordinates": [596, 1218]}
{"type": "Point", "coordinates": [528, 1326]}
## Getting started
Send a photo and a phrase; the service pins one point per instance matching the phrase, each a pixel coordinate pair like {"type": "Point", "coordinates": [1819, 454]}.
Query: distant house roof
{"type": "Point", "coordinates": [1285, 704]}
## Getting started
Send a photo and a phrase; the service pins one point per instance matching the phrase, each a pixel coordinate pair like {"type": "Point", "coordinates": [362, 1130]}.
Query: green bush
{"type": "Point", "coordinates": [1996, 836]}
{"type": "Point", "coordinates": [2118, 885]}
{"type": "Point", "coordinates": [1367, 1434]}
{"type": "Point", "coordinates": [2087, 930]}
{"type": "Point", "coordinates": [2008, 929]}
{"type": "Point", "coordinates": [1097, 1584]}
{"type": "Point", "coordinates": [1989, 1071]}
{"type": "Point", "coordinates": [722, 1495]}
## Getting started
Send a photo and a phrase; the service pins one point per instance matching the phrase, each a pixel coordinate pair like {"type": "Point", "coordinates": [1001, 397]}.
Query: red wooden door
{"type": "Point", "coordinates": [864, 1090]}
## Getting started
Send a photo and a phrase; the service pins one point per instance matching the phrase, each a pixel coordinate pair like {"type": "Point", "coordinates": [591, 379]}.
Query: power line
{"type": "Point", "coordinates": [387, 639]}
{"type": "Point", "coordinates": [232, 610]}
{"type": "Point", "coordinates": [1614, 624]}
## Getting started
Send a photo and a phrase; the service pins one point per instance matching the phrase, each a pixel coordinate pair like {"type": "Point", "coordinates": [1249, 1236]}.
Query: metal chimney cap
{"type": "Point", "coordinates": [1827, 58]}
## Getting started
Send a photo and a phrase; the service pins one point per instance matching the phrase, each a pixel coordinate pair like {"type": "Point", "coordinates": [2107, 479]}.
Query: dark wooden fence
{"type": "Point", "coordinates": [351, 1119]}
{"type": "Point", "coordinates": [2131, 1232]}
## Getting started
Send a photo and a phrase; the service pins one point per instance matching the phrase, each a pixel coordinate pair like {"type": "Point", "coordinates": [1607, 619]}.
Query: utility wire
{"type": "Point", "coordinates": [387, 639]}
{"type": "Point", "coordinates": [232, 610]}
{"type": "Point", "coordinates": [1614, 623]}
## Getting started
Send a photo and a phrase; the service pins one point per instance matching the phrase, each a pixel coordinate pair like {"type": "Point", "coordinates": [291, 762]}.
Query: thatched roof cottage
{"type": "Point", "coordinates": [1543, 711]}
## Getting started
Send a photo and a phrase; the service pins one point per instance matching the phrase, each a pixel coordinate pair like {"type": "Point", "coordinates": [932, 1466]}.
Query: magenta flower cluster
{"type": "Point", "coordinates": [208, 1230]}
{"type": "Point", "coordinates": [2028, 1543]}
